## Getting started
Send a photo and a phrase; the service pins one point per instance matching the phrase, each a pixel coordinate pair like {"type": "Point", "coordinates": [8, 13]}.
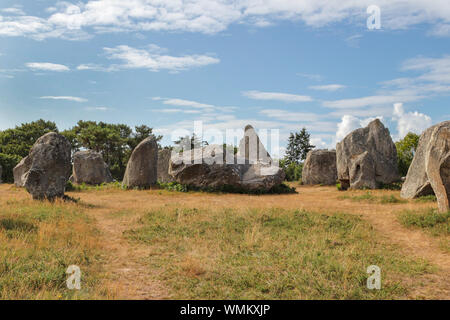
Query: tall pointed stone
{"type": "Point", "coordinates": [141, 171]}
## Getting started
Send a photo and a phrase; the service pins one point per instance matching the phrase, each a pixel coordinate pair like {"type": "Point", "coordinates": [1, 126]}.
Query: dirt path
{"type": "Point", "coordinates": [128, 275]}
{"type": "Point", "coordinates": [418, 244]}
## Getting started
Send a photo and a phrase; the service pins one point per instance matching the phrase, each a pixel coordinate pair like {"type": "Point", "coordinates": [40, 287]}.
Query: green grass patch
{"type": "Point", "coordinates": [430, 220]}
{"type": "Point", "coordinates": [428, 198]}
{"type": "Point", "coordinates": [270, 254]}
{"type": "Point", "coordinates": [371, 198]}
{"type": "Point", "coordinates": [73, 187]}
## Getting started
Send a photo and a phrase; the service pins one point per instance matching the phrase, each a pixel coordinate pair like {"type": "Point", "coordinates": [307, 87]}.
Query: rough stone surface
{"type": "Point", "coordinates": [212, 167]}
{"type": "Point", "coordinates": [430, 170]}
{"type": "Point", "coordinates": [251, 148]}
{"type": "Point", "coordinates": [320, 168]}
{"type": "Point", "coordinates": [50, 167]}
{"type": "Point", "coordinates": [89, 168]}
{"type": "Point", "coordinates": [141, 171]}
{"type": "Point", "coordinates": [416, 183]}
{"type": "Point", "coordinates": [367, 157]}
{"type": "Point", "coordinates": [20, 172]}
{"type": "Point", "coordinates": [163, 166]}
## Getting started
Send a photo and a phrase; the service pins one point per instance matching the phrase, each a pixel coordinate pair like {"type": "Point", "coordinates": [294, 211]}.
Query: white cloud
{"type": "Point", "coordinates": [377, 100]}
{"type": "Point", "coordinates": [290, 116]}
{"type": "Point", "coordinates": [68, 98]}
{"type": "Point", "coordinates": [353, 41]}
{"type": "Point", "coordinates": [212, 16]}
{"type": "Point", "coordinates": [410, 121]}
{"type": "Point", "coordinates": [435, 70]}
{"type": "Point", "coordinates": [277, 96]}
{"type": "Point", "coordinates": [328, 87]}
{"type": "Point", "coordinates": [311, 76]}
{"type": "Point", "coordinates": [46, 66]}
{"type": "Point", "coordinates": [177, 111]}
{"type": "Point", "coordinates": [101, 108]}
{"type": "Point", "coordinates": [187, 103]}
{"type": "Point", "coordinates": [349, 123]}
{"type": "Point", "coordinates": [152, 60]}
{"type": "Point", "coordinates": [13, 10]}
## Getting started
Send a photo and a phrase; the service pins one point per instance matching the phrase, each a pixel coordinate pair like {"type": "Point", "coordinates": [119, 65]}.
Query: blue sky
{"type": "Point", "coordinates": [273, 64]}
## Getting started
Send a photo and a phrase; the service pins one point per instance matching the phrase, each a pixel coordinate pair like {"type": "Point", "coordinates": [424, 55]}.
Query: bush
{"type": "Point", "coordinates": [8, 162]}
{"type": "Point", "coordinates": [292, 170]}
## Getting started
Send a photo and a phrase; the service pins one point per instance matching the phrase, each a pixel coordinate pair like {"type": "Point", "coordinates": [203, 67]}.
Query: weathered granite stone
{"type": "Point", "coordinates": [89, 168]}
{"type": "Point", "coordinates": [50, 167]}
{"type": "Point", "coordinates": [20, 172]}
{"type": "Point", "coordinates": [430, 170]}
{"type": "Point", "coordinates": [320, 168]}
{"type": "Point", "coordinates": [367, 157]}
{"type": "Point", "coordinates": [141, 171]}
{"type": "Point", "coordinates": [163, 166]}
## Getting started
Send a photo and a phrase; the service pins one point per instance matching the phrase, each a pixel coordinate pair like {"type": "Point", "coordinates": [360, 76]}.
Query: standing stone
{"type": "Point", "coordinates": [367, 157]}
{"type": "Point", "coordinates": [163, 166]}
{"type": "Point", "coordinates": [141, 169]}
{"type": "Point", "coordinates": [251, 148]}
{"type": "Point", "coordinates": [320, 167]}
{"type": "Point", "coordinates": [20, 172]}
{"type": "Point", "coordinates": [430, 170]}
{"type": "Point", "coordinates": [50, 167]}
{"type": "Point", "coordinates": [417, 183]}
{"type": "Point", "coordinates": [89, 168]}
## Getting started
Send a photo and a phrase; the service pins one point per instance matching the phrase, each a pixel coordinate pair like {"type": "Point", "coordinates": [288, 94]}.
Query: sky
{"type": "Point", "coordinates": [274, 64]}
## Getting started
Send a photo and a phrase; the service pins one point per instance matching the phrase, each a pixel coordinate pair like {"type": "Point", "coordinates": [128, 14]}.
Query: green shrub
{"type": "Point", "coordinates": [8, 162]}
{"type": "Point", "coordinates": [173, 186]}
{"type": "Point", "coordinates": [292, 170]}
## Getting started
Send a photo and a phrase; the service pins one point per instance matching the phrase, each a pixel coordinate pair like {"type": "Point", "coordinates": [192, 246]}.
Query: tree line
{"type": "Point", "coordinates": [114, 141]}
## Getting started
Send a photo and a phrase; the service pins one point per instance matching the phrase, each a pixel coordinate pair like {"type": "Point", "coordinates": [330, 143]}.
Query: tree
{"type": "Point", "coordinates": [114, 141]}
{"type": "Point", "coordinates": [16, 143]}
{"type": "Point", "coordinates": [194, 141]}
{"type": "Point", "coordinates": [406, 149]}
{"type": "Point", "coordinates": [298, 147]}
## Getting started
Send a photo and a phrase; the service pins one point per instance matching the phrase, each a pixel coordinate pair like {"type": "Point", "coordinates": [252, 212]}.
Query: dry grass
{"type": "Point", "coordinates": [161, 244]}
{"type": "Point", "coordinates": [38, 241]}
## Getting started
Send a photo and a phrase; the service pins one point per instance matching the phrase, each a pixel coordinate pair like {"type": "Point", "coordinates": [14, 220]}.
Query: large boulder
{"type": "Point", "coordinates": [320, 167]}
{"type": "Point", "coordinates": [49, 167]}
{"type": "Point", "coordinates": [367, 157]}
{"type": "Point", "coordinates": [89, 168]}
{"type": "Point", "coordinates": [20, 172]}
{"type": "Point", "coordinates": [141, 171]}
{"type": "Point", "coordinates": [213, 167]}
{"type": "Point", "coordinates": [430, 170]}
{"type": "Point", "coordinates": [163, 166]}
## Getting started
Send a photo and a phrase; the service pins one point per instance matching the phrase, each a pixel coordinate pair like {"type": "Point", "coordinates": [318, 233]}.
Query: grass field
{"type": "Point", "coordinates": [159, 244]}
